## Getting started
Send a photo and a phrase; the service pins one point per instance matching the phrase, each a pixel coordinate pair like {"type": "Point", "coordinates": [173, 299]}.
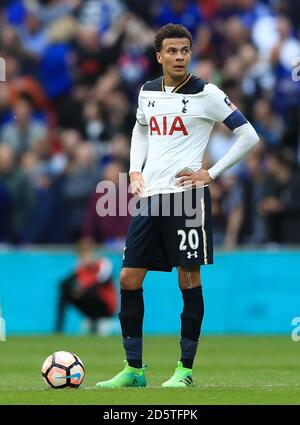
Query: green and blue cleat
{"type": "Point", "coordinates": [182, 378]}
{"type": "Point", "coordinates": [128, 377]}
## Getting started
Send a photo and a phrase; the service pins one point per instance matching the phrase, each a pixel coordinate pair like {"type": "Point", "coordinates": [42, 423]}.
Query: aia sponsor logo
{"type": "Point", "coordinates": [167, 126]}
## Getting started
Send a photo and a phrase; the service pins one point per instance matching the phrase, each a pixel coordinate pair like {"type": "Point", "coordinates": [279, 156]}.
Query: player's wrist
{"type": "Point", "coordinates": [210, 175]}
{"type": "Point", "coordinates": [204, 176]}
{"type": "Point", "coordinates": [135, 173]}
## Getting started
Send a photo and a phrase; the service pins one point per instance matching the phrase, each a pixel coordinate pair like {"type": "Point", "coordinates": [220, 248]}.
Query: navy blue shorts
{"type": "Point", "coordinates": [171, 230]}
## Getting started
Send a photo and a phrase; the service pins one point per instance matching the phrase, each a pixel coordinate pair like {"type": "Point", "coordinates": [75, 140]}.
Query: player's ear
{"type": "Point", "coordinates": [158, 57]}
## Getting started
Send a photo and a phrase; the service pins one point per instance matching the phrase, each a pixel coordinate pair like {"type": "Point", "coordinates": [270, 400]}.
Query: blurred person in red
{"type": "Point", "coordinates": [90, 288]}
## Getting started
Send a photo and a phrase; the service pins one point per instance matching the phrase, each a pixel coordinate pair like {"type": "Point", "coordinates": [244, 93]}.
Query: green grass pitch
{"type": "Point", "coordinates": [228, 370]}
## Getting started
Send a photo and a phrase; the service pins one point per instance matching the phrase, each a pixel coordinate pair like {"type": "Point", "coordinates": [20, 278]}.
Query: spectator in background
{"type": "Point", "coordinates": [55, 65]}
{"type": "Point", "coordinates": [267, 123]}
{"type": "Point", "coordinates": [106, 84]}
{"type": "Point", "coordinates": [203, 47]}
{"type": "Point", "coordinates": [257, 78]}
{"type": "Point", "coordinates": [15, 11]}
{"type": "Point", "coordinates": [281, 201]}
{"type": "Point", "coordinates": [290, 8]}
{"type": "Point", "coordinates": [184, 12]}
{"type": "Point", "coordinates": [250, 11]}
{"type": "Point", "coordinates": [17, 186]}
{"type": "Point", "coordinates": [287, 91]}
{"type": "Point", "coordinates": [69, 113]}
{"type": "Point", "coordinates": [120, 149]}
{"type": "Point", "coordinates": [232, 206]}
{"type": "Point", "coordinates": [145, 9]}
{"type": "Point", "coordinates": [94, 125]}
{"type": "Point", "coordinates": [136, 56]}
{"type": "Point", "coordinates": [101, 14]}
{"type": "Point", "coordinates": [79, 183]}
{"type": "Point", "coordinates": [47, 223]}
{"type": "Point", "coordinates": [218, 215]}
{"type": "Point", "coordinates": [109, 229]}
{"type": "Point", "coordinates": [207, 70]}
{"type": "Point", "coordinates": [119, 114]}
{"type": "Point", "coordinates": [52, 10]}
{"type": "Point", "coordinates": [287, 47]}
{"type": "Point", "coordinates": [92, 58]}
{"type": "Point", "coordinates": [11, 46]}
{"type": "Point", "coordinates": [252, 229]}
{"type": "Point", "coordinates": [64, 159]}
{"type": "Point", "coordinates": [89, 288]}
{"type": "Point", "coordinates": [24, 131]}
{"type": "Point", "coordinates": [5, 212]}
{"type": "Point", "coordinates": [231, 35]}
{"type": "Point", "coordinates": [20, 85]}
{"type": "Point", "coordinates": [33, 35]}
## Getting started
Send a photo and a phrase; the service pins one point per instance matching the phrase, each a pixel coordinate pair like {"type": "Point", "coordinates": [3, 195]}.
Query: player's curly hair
{"type": "Point", "coordinates": [171, 31]}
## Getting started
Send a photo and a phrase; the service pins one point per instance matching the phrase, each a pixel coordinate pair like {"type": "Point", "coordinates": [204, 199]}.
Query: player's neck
{"type": "Point", "coordinates": [169, 81]}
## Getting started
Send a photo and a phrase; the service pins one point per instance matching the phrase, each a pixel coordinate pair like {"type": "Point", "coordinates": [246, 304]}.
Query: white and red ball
{"type": "Point", "coordinates": [63, 370]}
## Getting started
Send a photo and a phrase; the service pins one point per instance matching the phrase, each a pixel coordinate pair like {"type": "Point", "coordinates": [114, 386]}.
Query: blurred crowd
{"type": "Point", "coordinates": [67, 108]}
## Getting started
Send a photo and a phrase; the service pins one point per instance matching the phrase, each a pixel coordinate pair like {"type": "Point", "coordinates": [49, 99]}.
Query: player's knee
{"type": "Point", "coordinates": [188, 282]}
{"type": "Point", "coordinates": [128, 280]}
{"type": "Point", "coordinates": [188, 279]}
{"type": "Point", "coordinates": [187, 285]}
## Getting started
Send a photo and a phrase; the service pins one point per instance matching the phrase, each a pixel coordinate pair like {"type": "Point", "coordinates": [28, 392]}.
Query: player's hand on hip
{"type": "Point", "coordinates": [137, 183]}
{"type": "Point", "coordinates": [194, 178]}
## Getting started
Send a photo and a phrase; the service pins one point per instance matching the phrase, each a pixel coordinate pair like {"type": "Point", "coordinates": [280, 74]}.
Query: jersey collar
{"type": "Point", "coordinates": [178, 87]}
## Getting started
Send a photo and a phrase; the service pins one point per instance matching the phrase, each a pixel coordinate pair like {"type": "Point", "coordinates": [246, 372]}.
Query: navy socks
{"type": "Point", "coordinates": [191, 321]}
{"type": "Point", "coordinates": [131, 318]}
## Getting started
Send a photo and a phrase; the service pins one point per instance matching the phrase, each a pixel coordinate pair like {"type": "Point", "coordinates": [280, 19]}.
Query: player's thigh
{"type": "Point", "coordinates": [132, 278]}
{"type": "Point", "coordinates": [189, 277]}
{"type": "Point", "coordinates": [187, 233]}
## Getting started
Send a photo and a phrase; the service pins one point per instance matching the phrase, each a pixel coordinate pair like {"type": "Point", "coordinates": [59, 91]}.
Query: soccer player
{"type": "Point", "coordinates": [175, 116]}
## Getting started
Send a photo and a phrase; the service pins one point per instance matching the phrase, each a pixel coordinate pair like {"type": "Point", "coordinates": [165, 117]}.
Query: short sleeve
{"type": "Point", "coordinates": [219, 108]}
{"type": "Point", "coordinates": [140, 117]}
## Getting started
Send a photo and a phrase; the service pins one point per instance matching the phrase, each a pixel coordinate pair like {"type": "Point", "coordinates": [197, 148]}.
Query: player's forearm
{"type": "Point", "coordinates": [139, 147]}
{"type": "Point", "coordinates": [247, 139]}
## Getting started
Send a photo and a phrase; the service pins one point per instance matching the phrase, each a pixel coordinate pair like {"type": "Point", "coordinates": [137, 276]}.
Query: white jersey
{"type": "Point", "coordinates": [179, 127]}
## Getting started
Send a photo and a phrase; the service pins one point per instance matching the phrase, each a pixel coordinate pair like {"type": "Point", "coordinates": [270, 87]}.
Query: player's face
{"type": "Point", "coordinates": [175, 57]}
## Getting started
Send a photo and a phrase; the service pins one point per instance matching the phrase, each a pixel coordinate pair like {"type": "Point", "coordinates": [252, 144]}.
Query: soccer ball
{"type": "Point", "coordinates": [63, 370]}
